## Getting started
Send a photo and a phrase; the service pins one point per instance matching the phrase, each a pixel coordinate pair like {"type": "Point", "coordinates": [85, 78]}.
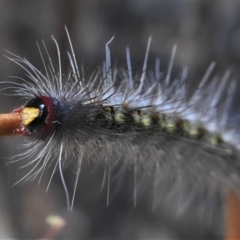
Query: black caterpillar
{"type": "Point", "coordinates": [182, 151]}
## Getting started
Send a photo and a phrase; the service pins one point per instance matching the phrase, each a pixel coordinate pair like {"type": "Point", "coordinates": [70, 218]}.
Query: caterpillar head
{"type": "Point", "coordinates": [38, 117]}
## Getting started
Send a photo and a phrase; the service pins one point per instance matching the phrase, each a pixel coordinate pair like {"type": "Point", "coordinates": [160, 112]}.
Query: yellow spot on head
{"type": "Point", "coordinates": [29, 114]}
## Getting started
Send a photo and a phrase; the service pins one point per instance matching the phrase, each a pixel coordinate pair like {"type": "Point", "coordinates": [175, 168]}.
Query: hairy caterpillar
{"type": "Point", "coordinates": [185, 147]}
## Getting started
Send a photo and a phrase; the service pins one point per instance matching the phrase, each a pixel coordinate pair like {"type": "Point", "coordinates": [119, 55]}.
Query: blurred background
{"type": "Point", "coordinates": [204, 31]}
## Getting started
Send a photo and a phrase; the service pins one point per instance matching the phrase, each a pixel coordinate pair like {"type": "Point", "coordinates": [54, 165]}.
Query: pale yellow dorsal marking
{"type": "Point", "coordinates": [29, 114]}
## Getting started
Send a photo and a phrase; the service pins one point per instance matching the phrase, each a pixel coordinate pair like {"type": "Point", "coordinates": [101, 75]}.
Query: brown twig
{"type": "Point", "coordinates": [56, 223]}
{"type": "Point", "coordinates": [9, 123]}
{"type": "Point", "coordinates": [233, 216]}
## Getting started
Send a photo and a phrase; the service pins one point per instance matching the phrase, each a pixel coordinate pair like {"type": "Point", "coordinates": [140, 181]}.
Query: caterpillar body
{"type": "Point", "coordinates": [184, 146]}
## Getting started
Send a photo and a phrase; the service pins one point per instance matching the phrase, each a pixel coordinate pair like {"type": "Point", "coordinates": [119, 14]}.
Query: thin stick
{"type": "Point", "coordinates": [9, 123]}
{"type": "Point", "coordinates": [233, 216]}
